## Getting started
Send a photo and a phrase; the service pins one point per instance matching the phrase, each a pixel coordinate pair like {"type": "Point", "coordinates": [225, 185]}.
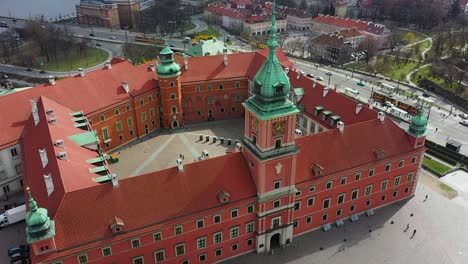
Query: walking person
{"type": "Point", "coordinates": [407, 227]}
{"type": "Point", "coordinates": [414, 233]}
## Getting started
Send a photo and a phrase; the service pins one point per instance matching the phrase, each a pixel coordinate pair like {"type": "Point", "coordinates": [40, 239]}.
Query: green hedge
{"type": "Point", "coordinates": [446, 154]}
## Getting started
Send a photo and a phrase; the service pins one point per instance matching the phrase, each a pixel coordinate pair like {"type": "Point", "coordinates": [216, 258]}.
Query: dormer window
{"type": "Point", "coordinates": [278, 88]}
{"type": "Point", "coordinates": [379, 153]}
{"type": "Point", "coordinates": [223, 196]}
{"type": "Point", "coordinates": [317, 110]}
{"type": "Point", "coordinates": [325, 115]}
{"type": "Point", "coordinates": [116, 225]}
{"type": "Point", "coordinates": [258, 86]}
{"type": "Point", "coordinates": [317, 170]}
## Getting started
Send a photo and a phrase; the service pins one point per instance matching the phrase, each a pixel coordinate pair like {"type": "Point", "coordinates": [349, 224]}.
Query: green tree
{"type": "Point", "coordinates": [303, 5]}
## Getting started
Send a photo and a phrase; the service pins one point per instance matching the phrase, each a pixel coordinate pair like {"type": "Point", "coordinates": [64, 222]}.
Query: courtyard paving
{"type": "Point", "coordinates": [159, 150]}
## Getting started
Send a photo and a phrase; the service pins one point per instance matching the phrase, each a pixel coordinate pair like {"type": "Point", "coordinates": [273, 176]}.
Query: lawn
{"type": "Point", "coordinates": [392, 70]}
{"type": "Point", "coordinates": [435, 165]}
{"type": "Point", "coordinates": [28, 57]}
{"type": "Point", "coordinates": [139, 54]}
{"type": "Point", "coordinates": [422, 46]}
{"type": "Point", "coordinates": [408, 37]}
{"type": "Point", "coordinates": [209, 31]}
{"type": "Point", "coordinates": [426, 72]}
{"type": "Point", "coordinates": [189, 26]}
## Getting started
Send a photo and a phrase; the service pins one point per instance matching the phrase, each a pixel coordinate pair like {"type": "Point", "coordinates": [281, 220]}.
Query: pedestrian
{"type": "Point", "coordinates": [427, 196]}
{"type": "Point", "coordinates": [407, 227]}
{"type": "Point", "coordinates": [436, 131]}
{"type": "Point", "coordinates": [414, 232]}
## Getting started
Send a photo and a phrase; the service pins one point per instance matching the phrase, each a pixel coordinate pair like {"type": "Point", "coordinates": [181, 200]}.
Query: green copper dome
{"type": "Point", "coordinates": [167, 67]}
{"type": "Point", "coordinates": [38, 224]}
{"type": "Point", "coordinates": [418, 124]}
{"type": "Point", "coordinates": [271, 84]}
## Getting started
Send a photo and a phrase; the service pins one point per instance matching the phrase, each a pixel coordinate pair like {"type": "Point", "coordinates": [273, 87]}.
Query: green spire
{"type": "Point", "coordinates": [167, 67]}
{"type": "Point", "coordinates": [271, 84]}
{"type": "Point", "coordinates": [418, 124]}
{"type": "Point", "coordinates": [38, 224]}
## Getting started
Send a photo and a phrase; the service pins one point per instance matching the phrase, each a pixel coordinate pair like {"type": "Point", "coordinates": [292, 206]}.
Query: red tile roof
{"type": "Point", "coordinates": [222, 9]}
{"type": "Point", "coordinates": [341, 22]}
{"type": "Point", "coordinates": [155, 197]}
{"type": "Point", "coordinates": [67, 175]}
{"type": "Point", "coordinates": [330, 39]}
{"type": "Point", "coordinates": [337, 103]}
{"type": "Point", "coordinates": [239, 65]}
{"type": "Point", "coordinates": [97, 90]}
{"type": "Point", "coordinates": [335, 151]}
{"type": "Point", "coordinates": [349, 33]}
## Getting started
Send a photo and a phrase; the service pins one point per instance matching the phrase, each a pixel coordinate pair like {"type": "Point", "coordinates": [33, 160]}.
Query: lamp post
{"type": "Point", "coordinates": [329, 76]}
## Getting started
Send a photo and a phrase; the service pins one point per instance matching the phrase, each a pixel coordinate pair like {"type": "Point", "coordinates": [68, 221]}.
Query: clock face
{"type": "Point", "coordinates": [254, 124]}
{"type": "Point", "coordinates": [279, 128]}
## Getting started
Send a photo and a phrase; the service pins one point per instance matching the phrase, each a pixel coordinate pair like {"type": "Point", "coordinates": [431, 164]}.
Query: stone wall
{"type": "Point", "coordinates": [448, 95]}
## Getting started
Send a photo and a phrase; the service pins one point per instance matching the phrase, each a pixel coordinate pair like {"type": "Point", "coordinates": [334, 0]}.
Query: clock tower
{"type": "Point", "coordinates": [270, 149]}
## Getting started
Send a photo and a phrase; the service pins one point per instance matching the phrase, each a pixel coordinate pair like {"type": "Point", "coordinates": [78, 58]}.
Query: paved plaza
{"type": "Point", "coordinates": [159, 150]}
{"type": "Point", "coordinates": [441, 236]}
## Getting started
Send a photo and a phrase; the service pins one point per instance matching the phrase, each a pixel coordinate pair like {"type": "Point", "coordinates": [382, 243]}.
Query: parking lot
{"type": "Point", "coordinates": [11, 236]}
{"type": "Point", "coordinates": [159, 150]}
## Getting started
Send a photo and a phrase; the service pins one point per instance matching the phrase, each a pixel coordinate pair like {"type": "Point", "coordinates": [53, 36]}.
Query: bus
{"type": "Point", "coordinates": [382, 97]}
{"type": "Point", "coordinates": [150, 40]}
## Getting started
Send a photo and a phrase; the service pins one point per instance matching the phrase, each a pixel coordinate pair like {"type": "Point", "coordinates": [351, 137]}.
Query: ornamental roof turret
{"type": "Point", "coordinates": [167, 67]}
{"type": "Point", "coordinates": [38, 224]}
{"type": "Point", "coordinates": [418, 124]}
{"type": "Point", "coordinates": [271, 84]}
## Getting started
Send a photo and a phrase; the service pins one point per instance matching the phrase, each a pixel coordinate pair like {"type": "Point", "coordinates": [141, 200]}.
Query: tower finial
{"type": "Point", "coordinates": [32, 202]}
{"type": "Point", "coordinates": [272, 42]}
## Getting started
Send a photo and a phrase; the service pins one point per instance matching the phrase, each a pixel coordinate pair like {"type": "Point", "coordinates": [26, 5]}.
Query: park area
{"type": "Point", "coordinates": [390, 67]}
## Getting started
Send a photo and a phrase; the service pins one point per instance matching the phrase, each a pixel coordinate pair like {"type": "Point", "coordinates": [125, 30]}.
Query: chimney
{"type": "Point", "coordinates": [125, 86]}
{"type": "Point", "coordinates": [59, 143]}
{"type": "Point", "coordinates": [298, 75]}
{"type": "Point", "coordinates": [381, 116]}
{"type": "Point", "coordinates": [62, 155]}
{"type": "Point", "coordinates": [325, 91]}
{"type": "Point", "coordinates": [358, 108]}
{"type": "Point", "coordinates": [34, 112]}
{"type": "Point", "coordinates": [225, 59]}
{"type": "Point", "coordinates": [340, 126]}
{"type": "Point", "coordinates": [186, 62]}
{"type": "Point", "coordinates": [52, 120]}
{"type": "Point", "coordinates": [81, 72]}
{"type": "Point", "coordinates": [108, 65]}
{"type": "Point", "coordinates": [180, 165]}
{"type": "Point", "coordinates": [115, 181]}
{"type": "Point", "coordinates": [51, 80]}
{"type": "Point", "coordinates": [286, 70]}
{"type": "Point", "coordinates": [152, 67]}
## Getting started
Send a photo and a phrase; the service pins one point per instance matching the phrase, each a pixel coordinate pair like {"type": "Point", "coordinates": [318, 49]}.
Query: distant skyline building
{"type": "Point", "coordinates": [110, 13]}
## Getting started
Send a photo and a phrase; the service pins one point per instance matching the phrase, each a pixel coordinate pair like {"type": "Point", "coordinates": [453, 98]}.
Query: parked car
{"type": "Point", "coordinates": [172, 45]}
{"type": "Point", "coordinates": [98, 45]}
{"type": "Point", "coordinates": [319, 78]}
{"type": "Point", "coordinates": [361, 83]}
{"type": "Point", "coordinates": [310, 75]}
{"type": "Point", "coordinates": [328, 73]}
{"type": "Point", "coordinates": [4, 76]}
{"type": "Point", "coordinates": [426, 95]}
{"type": "Point", "coordinates": [22, 249]}
{"type": "Point", "coordinates": [29, 69]}
{"type": "Point", "coordinates": [464, 122]}
{"type": "Point", "coordinates": [112, 37]}
{"type": "Point", "coordinates": [91, 35]}
{"type": "Point", "coordinates": [42, 72]}
{"type": "Point", "coordinates": [389, 104]}
{"type": "Point", "coordinates": [463, 115]}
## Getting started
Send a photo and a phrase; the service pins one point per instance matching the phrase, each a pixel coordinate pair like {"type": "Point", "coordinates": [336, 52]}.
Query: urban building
{"type": "Point", "coordinates": [260, 25]}
{"type": "Point", "coordinates": [277, 185]}
{"type": "Point", "coordinates": [341, 8]}
{"type": "Point", "coordinates": [208, 47]}
{"type": "Point", "coordinates": [331, 48]}
{"type": "Point", "coordinates": [329, 24]}
{"type": "Point", "coordinates": [112, 14]}
{"type": "Point", "coordinates": [297, 19]}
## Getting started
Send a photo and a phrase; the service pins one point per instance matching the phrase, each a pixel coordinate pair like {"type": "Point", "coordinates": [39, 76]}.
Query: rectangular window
{"type": "Point", "coordinates": [357, 176]}
{"type": "Point", "coordinates": [249, 241]}
{"type": "Point", "coordinates": [217, 219]}
{"type": "Point", "coordinates": [368, 190]}
{"type": "Point", "coordinates": [297, 205]}
{"type": "Point", "coordinates": [127, 107]}
{"type": "Point", "coordinates": [142, 102]}
{"type": "Point", "coordinates": [310, 201]}
{"type": "Point", "coordinates": [116, 111]}
{"type": "Point", "coordinates": [202, 257]}
{"type": "Point", "coordinates": [235, 246]}
{"type": "Point", "coordinates": [326, 203]}
{"type": "Point", "coordinates": [250, 209]}
{"type": "Point", "coordinates": [368, 202]}
{"type": "Point", "coordinates": [237, 84]}
{"type": "Point", "coordinates": [309, 219]}
{"type": "Point", "coordinates": [352, 208]}
{"type": "Point", "coordinates": [371, 172]}
{"type": "Point", "coordinates": [397, 181]}
{"type": "Point", "coordinates": [197, 88]}
{"type": "Point", "coordinates": [249, 227]}
{"type": "Point", "coordinates": [413, 159]}
{"type": "Point", "coordinates": [338, 212]}
{"type": "Point", "coordinates": [159, 256]}
{"type": "Point", "coordinates": [277, 184]}
{"type": "Point", "coordinates": [119, 126]}
{"type": "Point", "coordinates": [329, 185]}
{"type": "Point", "coordinates": [276, 204]}
{"type": "Point", "coordinates": [130, 121]}
{"type": "Point", "coordinates": [143, 116]}
{"type": "Point", "coordinates": [276, 222]}
{"type": "Point", "coordinates": [200, 223]}
{"type": "Point", "coordinates": [105, 133]}
{"type": "Point", "coordinates": [174, 109]}
{"type": "Point", "coordinates": [234, 213]}
{"type": "Point", "coordinates": [201, 242]}
{"type": "Point", "coordinates": [157, 236]}
{"type": "Point", "coordinates": [151, 111]}
{"type": "Point", "coordinates": [406, 189]}
{"type": "Point", "coordinates": [341, 198]}
{"type": "Point", "coordinates": [295, 223]}
{"type": "Point", "coordinates": [354, 194]}
{"type": "Point", "coordinates": [210, 100]}
{"type": "Point", "coordinates": [135, 243]}
{"type": "Point", "coordinates": [388, 167]}
{"type": "Point", "coordinates": [383, 197]}
{"type": "Point", "coordinates": [218, 252]}
{"type": "Point", "coordinates": [401, 163]}
{"type": "Point", "coordinates": [395, 193]}
{"type": "Point", "coordinates": [178, 230]}
{"type": "Point", "coordinates": [343, 181]}
{"type": "Point", "coordinates": [221, 87]}
{"type": "Point", "coordinates": [102, 118]}
{"type": "Point", "coordinates": [384, 185]}
{"type": "Point", "coordinates": [150, 98]}
{"type": "Point", "coordinates": [324, 217]}
{"type": "Point", "coordinates": [209, 87]}
{"type": "Point", "coordinates": [312, 188]}
{"type": "Point", "coordinates": [218, 237]}
{"type": "Point", "coordinates": [238, 97]}
{"type": "Point", "coordinates": [82, 258]}
{"type": "Point", "coordinates": [180, 249]}
{"type": "Point", "coordinates": [106, 251]}
{"type": "Point", "coordinates": [234, 232]}
{"type": "Point", "coordinates": [409, 177]}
